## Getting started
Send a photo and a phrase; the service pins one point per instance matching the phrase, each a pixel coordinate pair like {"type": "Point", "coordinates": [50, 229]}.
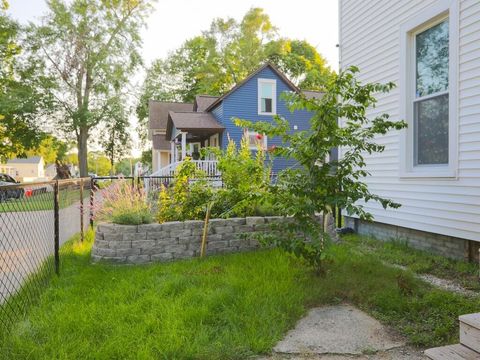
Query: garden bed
{"type": "Point", "coordinates": [136, 244]}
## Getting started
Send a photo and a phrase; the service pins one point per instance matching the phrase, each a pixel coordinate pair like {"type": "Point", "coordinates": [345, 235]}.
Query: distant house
{"type": "Point", "coordinates": [431, 50]}
{"type": "Point", "coordinates": [6, 169]}
{"type": "Point", "coordinates": [178, 130]}
{"type": "Point", "coordinates": [28, 169]}
{"type": "Point", "coordinates": [51, 171]}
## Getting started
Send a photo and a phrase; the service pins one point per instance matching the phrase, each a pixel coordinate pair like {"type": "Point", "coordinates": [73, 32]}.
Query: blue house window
{"type": "Point", "coordinates": [267, 97]}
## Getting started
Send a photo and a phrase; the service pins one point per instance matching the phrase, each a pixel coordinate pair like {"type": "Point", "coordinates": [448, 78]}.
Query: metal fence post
{"type": "Point", "coordinates": [81, 210]}
{"type": "Point", "coordinates": [92, 184]}
{"type": "Point", "coordinates": [56, 215]}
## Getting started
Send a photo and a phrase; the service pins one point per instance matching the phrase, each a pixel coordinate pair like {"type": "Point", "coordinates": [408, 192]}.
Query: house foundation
{"type": "Point", "coordinates": [448, 246]}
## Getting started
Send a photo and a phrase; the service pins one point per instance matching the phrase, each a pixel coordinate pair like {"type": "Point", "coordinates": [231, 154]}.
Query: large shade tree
{"type": "Point", "coordinates": [212, 62]}
{"type": "Point", "coordinates": [23, 100]}
{"type": "Point", "coordinates": [91, 48]}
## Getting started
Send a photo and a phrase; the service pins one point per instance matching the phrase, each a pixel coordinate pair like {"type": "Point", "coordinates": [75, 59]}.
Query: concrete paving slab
{"type": "Point", "coordinates": [341, 329]}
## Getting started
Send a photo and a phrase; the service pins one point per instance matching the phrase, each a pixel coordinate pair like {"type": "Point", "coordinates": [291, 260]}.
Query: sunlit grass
{"type": "Point", "coordinates": [222, 307]}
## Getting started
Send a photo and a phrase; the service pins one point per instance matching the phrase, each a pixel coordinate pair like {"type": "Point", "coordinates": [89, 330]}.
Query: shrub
{"type": "Point", "coordinates": [246, 179]}
{"type": "Point", "coordinates": [122, 204]}
{"type": "Point", "coordinates": [245, 190]}
{"type": "Point", "coordinates": [187, 198]}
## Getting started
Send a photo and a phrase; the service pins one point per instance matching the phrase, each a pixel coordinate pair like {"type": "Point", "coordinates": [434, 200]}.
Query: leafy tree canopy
{"type": "Point", "coordinates": [99, 164]}
{"type": "Point", "coordinates": [50, 148]}
{"type": "Point", "coordinates": [23, 101]}
{"type": "Point", "coordinates": [212, 62]}
{"type": "Point", "coordinates": [91, 48]}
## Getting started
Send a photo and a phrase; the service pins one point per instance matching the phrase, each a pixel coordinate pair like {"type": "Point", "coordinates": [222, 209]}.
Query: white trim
{"type": "Point", "coordinates": [441, 10]}
{"type": "Point", "coordinates": [184, 145]}
{"type": "Point", "coordinates": [274, 96]}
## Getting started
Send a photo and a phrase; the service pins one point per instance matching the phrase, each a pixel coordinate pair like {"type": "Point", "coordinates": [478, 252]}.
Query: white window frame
{"type": "Point", "coordinates": [255, 133]}
{"type": "Point", "coordinates": [274, 96]}
{"type": "Point", "coordinates": [441, 10]}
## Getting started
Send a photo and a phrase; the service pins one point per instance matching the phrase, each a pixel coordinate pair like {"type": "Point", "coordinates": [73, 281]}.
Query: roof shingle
{"type": "Point", "coordinates": [158, 112]}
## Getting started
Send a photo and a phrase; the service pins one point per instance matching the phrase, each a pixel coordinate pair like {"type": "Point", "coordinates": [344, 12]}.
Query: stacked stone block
{"type": "Point", "coordinates": [137, 244]}
{"type": "Point", "coordinates": [447, 246]}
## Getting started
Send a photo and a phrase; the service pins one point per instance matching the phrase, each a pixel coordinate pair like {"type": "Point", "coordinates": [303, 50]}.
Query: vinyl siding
{"type": "Point", "coordinates": [370, 39]}
{"type": "Point", "coordinates": [218, 114]}
{"type": "Point", "coordinates": [243, 103]}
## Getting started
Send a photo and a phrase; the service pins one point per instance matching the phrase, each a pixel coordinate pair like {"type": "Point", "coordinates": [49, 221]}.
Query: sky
{"type": "Point", "coordinates": [174, 21]}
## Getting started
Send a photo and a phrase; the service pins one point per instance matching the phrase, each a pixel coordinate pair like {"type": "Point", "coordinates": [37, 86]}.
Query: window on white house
{"type": "Point", "coordinates": [256, 140]}
{"type": "Point", "coordinates": [266, 96]}
{"type": "Point", "coordinates": [431, 100]}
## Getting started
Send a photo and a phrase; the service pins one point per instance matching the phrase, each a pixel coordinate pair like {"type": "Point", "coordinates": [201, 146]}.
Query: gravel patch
{"type": "Point", "coordinates": [443, 284]}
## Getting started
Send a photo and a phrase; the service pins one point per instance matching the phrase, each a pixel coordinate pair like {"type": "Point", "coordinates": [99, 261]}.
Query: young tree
{"type": "Point", "coordinates": [319, 186]}
{"type": "Point", "coordinates": [116, 141]}
{"type": "Point", "coordinates": [91, 48]}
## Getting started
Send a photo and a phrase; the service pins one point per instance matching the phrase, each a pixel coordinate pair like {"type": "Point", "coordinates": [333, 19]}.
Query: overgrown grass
{"type": "Point", "coordinates": [222, 307]}
{"type": "Point", "coordinates": [420, 262]}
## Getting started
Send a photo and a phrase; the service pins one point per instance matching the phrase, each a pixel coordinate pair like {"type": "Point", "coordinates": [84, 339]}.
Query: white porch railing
{"type": "Point", "coordinates": [153, 182]}
{"type": "Point", "coordinates": [207, 166]}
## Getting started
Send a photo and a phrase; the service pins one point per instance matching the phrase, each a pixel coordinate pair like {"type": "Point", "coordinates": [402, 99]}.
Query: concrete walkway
{"type": "Point", "coordinates": [342, 332]}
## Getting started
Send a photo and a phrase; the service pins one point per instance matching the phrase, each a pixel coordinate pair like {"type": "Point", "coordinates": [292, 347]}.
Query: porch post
{"type": "Point", "coordinates": [184, 145]}
{"type": "Point", "coordinates": [172, 152]}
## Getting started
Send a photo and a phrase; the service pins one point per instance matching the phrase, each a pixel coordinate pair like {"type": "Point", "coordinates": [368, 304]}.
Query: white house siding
{"type": "Point", "coordinates": [370, 39]}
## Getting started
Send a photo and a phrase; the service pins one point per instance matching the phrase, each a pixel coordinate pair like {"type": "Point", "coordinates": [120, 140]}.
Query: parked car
{"type": "Point", "coordinates": [5, 193]}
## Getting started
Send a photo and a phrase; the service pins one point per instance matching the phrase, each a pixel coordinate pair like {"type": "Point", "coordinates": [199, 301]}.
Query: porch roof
{"type": "Point", "coordinates": [194, 122]}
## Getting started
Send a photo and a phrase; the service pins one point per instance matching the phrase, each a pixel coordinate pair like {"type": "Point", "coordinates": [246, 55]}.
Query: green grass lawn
{"type": "Point", "coordinates": [420, 262]}
{"type": "Point", "coordinates": [221, 307]}
{"type": "Point", "coordinates": [44, 201]}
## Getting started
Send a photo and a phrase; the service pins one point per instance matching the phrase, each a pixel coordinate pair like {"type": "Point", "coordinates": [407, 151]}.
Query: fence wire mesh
{"type": "Point", "coordinates": [29, 240]}
{"type": "Point", "coordinates": [37, 219]}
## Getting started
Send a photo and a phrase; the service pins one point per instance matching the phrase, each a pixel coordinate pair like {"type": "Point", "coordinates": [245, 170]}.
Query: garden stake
{"type": "Point", "coordinates": [205, 230]}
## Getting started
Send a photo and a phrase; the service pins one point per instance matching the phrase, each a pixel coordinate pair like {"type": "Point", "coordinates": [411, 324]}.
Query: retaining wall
{"type": "Point", "coordinates": [136, 244]}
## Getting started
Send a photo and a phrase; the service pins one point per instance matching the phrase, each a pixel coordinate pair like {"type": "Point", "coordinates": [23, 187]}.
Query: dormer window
{"type": "Point", "coordinates": [267, 97]}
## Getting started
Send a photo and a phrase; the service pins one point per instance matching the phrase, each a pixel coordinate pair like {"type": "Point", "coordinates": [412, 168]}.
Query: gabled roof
{"type": "Point", "coordinates": [188, 121]}
{"type": "Point", "coordinates": [30, 160]}
{"type": "Point", "coordinates": [202, 102]}
{"type": "Point", "coordinates": [241, 83]}
{"type": "Point", "coordinates": [158, 112]}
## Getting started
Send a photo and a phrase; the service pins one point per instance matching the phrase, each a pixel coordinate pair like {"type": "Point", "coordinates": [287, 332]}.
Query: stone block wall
{"type": "Point", "coordinates": [135, 244]}
{"type": "Point", "coordinates": [447, 246]}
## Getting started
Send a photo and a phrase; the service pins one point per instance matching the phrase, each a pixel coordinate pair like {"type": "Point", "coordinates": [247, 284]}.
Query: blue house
{"type": "Point", "coordinates": [178, 130]}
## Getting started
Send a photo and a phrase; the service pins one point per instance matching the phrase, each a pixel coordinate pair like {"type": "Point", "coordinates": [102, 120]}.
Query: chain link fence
{"type": "Point", "coordinates": [35, 220]}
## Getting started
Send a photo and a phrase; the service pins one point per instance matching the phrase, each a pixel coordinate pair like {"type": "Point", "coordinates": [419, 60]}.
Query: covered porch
{"type": "Point", "coordinates": [188, 133]}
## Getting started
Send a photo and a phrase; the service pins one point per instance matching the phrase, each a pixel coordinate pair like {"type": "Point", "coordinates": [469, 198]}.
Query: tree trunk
{"type": "Point", "coordinates": [111, 164]}
{"type": "Point", "coordinates": [83, 152]}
